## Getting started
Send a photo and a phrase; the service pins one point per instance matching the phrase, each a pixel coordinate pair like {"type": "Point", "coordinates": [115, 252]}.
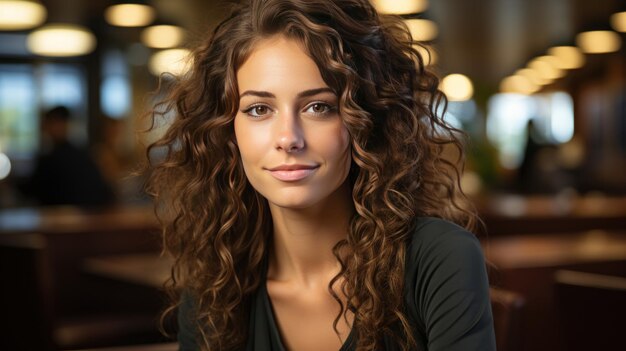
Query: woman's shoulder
{"type": "Point", "coordinates": [448, 290]}
{"type": "Point", "coordinates": [438, 245]}
{"type": "Point", "coordinates": [432, 232]}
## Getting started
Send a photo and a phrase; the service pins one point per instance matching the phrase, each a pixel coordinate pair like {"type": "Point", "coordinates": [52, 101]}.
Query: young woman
{"type": "Point", "coordinates": [304, 194]}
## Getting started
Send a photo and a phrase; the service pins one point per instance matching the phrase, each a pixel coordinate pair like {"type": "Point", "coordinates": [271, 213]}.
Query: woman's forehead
{"type": "Point", "coordinates": [279, 63]}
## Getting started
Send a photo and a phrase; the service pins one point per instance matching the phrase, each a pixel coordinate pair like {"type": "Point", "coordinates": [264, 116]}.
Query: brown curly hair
{"type": "Point", "coordinates": [218, 228]}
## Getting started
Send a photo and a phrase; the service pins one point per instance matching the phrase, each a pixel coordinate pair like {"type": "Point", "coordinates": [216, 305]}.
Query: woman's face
{"type": "Point", "coordinates": [293, 145]}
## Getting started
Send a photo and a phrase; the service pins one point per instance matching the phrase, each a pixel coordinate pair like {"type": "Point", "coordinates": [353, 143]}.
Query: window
{"type": "Point", "coordinates": [115, 91]}
{"type": "Point", "coordinates": [19, 123]}
{"type": "Point", "coordinates": [26, 90]}
{"type": "Point", "coordinates": [552, 115]}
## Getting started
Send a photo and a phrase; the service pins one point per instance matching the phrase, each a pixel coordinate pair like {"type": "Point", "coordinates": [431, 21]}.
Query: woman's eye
{"type": "Point", "coordinates": [257, 111]}
{"type": "Point", "coordinates": [319, 108]}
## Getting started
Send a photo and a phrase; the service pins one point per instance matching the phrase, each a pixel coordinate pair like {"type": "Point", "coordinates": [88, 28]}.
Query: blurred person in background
{"type": "Point", "coordinates": [63, 173]}
{"type": "Point", "coordinates": [528, 172]}
{"type": "Point", "coordinates": [541, 170]}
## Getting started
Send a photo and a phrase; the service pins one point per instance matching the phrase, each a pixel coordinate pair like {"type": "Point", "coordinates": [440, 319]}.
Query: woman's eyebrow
{"type": "Point", "coordinates": [264, 94]}
{"type": "Point", "coordinates": [312, 92]}
{"type": "Point", "coordinates": [305, 93]}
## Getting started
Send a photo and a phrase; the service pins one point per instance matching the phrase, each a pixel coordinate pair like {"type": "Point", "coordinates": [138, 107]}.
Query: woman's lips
{"type": "Point", "coordinates": [292, 173]}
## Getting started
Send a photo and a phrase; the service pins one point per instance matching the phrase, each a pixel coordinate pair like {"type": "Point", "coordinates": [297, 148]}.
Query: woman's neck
{"type": "Point", "coordinates": [304, 238]}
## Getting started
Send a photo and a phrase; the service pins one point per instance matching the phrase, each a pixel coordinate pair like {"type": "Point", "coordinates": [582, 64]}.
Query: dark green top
{"type": "Point", "coordinates": [447, 296]}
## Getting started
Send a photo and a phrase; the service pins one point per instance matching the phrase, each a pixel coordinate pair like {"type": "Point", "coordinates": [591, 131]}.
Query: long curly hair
{"type": "Point", "coordinates": [218, 228]}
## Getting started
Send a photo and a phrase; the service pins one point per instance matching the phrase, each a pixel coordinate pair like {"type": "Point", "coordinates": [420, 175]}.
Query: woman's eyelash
{"type": "Point", "coordinates": [252, 110]}
{"type": "Point", "coordinates": [249, 110]}
{"type": "Point", "coordinates": [328, 107]}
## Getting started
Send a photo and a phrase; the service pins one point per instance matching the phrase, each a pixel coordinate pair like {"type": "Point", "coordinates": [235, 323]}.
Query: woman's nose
{"type": "Point", "coordinates": [290, 136]}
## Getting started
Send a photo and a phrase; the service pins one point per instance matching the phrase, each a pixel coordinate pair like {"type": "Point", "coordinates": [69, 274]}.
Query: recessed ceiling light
{"type": "Point", "coordinates": [533, 76]}
{"type": "Point", "coordinates": [517, 84]}
{"type": "Point", "coordinates": [568, 57]}
{"type": "Point", "coordinates": [162, 36]}
{"type": "Point", "coordinates": [61, 40]}
{"type": "Point", "coordinates": [598, 42]}
{"type": "Point", "coordinates": [546, 67]}
{"type": "Point", "coordinates": [618, 21]}
{"type": "Point", "coordinates": [174, 61]}
{"type": "Point", "coordinates": [400, 7]}
{"type": "Point", "coordinates": [20, 15]}
{"type": "Point", "coordinates": [422, 29]}
{"type": "Point", "coordinates": [457, 87]}
{"type": "Point", "coordinates": [130, 15]}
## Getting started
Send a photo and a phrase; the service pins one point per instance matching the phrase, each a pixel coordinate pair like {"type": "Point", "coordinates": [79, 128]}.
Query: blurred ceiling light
{"type": "Point", "coordinates": [457, 87]}
{"type": "Point", "coordinates": [518, 84]}
{"type": "Point", "coordinates": [422, 29]}
{"type": "Point", "coordinates": [20, 15]}
{"type": "Point", "coordinates": [598, 42]}
{"type": "Point", "coordinates": [546, 67]}
{"type": "Point", "coordinates": [5, 166]}
{"type": "Point", "coordinates": [61, 40]}
{"type": "Point", "coordinates": [174, 61]}
{"type": "Point", "coordinates": [130, 15]}
{"type": "Point", "coordinates": [557, 72]}
{"type": "Point", "coordinates": [568, 57]}
{"type": "Point", "coordinates": [162, 36]}
{"type": "Point", "coordinates": [400, 7]}
{"type": "Point", "coordinates": [533, 76]}
{"type": "Point", "coordinates": [428, 54]}
{"type": "Point", "coordinates": [618, 21]}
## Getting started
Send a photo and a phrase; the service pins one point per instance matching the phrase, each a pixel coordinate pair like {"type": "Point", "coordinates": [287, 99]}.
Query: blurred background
{"type": "Point", "coordinates": [538, 86]}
